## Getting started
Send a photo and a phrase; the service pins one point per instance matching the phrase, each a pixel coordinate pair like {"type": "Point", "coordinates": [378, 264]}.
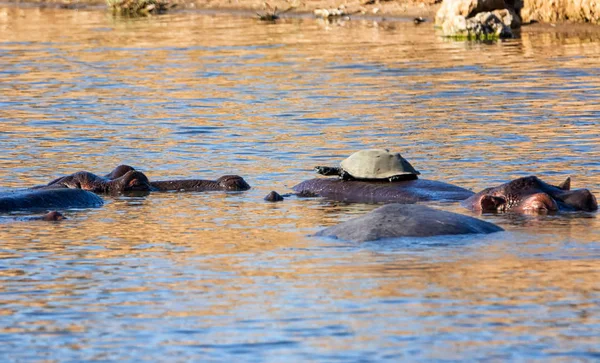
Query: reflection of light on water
{"type": "Point", "coordinates": [229, 275]}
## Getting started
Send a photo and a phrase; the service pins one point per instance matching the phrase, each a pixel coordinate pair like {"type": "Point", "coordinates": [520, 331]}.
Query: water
{"type": "Point", "coordinates": [215, 277]}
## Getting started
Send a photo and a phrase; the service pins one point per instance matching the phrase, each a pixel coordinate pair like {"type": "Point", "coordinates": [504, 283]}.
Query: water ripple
{"type": "Point", "coordinates": [226, 276]}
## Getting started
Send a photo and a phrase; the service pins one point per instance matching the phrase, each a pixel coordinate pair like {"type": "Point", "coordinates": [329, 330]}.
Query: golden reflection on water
{"type": "Point", "coordinates": [189, 95]}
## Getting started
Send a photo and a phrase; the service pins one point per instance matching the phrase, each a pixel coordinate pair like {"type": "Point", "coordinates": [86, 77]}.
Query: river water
{"type": "Point", "coordinates": [215, 276]}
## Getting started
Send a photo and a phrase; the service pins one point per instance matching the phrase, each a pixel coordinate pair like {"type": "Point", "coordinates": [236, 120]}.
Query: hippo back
{"type": "Point", "coordinates": [405, 192]}
{"type": "Point", "coordinates": [402, 220]}
{"type": "Point", "coordinates": [45, 199]}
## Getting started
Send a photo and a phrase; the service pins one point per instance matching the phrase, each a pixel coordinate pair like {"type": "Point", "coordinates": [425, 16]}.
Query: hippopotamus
{"type": "Point", "coordinates": [523, 195]}
{"type": "Point", "coordinates": [224, 183]}
{"type": "Point", "coordinates": [125, 178]}
{"type": "Point", "coordinates": [406, 220]}
{"type": "Point", "coordinates": [77, 190]}
{"type": "Point", "coordinates": [49, 217]}
{"type": "Point", "coordinates": [74, 191]}
{"type": "Point", "coordinates": [132, 180]}
{"type": "Point", "coordinates": [532, 195]}
{"type": "Point", "coordinates": [377, 176]}
{"type": "Point", "coordinates": [46, 199]}
{"type": "Point", "coordinates": [404, 191]}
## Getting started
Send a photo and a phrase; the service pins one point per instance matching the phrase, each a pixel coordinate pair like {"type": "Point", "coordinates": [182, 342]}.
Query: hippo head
{"type": "Point", "coordinates": [53, 216]}
{"type": "Point", "coordinates": [532, 195]}
{"type": "Point", "coordinates": [119, 171]}
{"type": "Point", "coordinates": [232, 182]}
{"type": "Point", "coordinates": [132, 180]}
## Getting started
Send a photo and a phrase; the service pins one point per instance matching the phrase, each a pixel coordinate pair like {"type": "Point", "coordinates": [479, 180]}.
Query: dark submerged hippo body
{"type": "Point", "coordinates": [130, 181]}
{"type": "Point", "coordinates": [224, 183]}
{"type": "Point", "coordinates": [49, 217]}
{"type": "Point", "coordinates": [49, 198]}
{"type": "Point", "coordinates": [532, 195]}
{"type": "Point", "coordinates": [406, 220]}
{"type": "Point", "coordinates": [407, 192]}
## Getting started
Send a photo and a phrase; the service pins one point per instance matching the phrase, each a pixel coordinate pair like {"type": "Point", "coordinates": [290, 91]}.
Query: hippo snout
{"type": "Point", "coordinates": [233, 183]}
{"type": "Point", "coordinates": [580, 199]}
{"type": "Point", "coordinates": [537, 203]}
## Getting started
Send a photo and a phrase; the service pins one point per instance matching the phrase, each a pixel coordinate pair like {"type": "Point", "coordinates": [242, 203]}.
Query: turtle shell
{"type": "Point", "coordinates": [377, 164]}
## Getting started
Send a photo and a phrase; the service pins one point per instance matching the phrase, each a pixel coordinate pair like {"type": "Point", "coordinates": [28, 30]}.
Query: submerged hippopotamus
{"type": "Point", "coordinates": [132, 180]}
{"type": "Point", "coordinates": [224, 183]}
{"type": "Point", "coordinates": [74, 191]}
{"type": "Point", "coordinates": [125, 178]}
{"type": "Point", "coordinates": [405, 192]}
{"type": "Point", "coordinates": [532, 195]}
{"type": "Point", "coordinates": [78, 190]}
{"type": "Point", "coordinates": [522, 195]}
{"type": "Point", "coordinates": [377, 176]}
{"type": "Point", "coordinates": [47, 199]}
{"type": "Point", "coordinates": [406, 220]}
{"type": "Point", "coordinates": [48, 217]}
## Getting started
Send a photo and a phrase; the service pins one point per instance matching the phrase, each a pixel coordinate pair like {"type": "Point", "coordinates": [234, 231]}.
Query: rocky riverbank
{"type": "Point", "coordinates": [396, 8]}
{"type": "Point", "coordinates": [546, 11]}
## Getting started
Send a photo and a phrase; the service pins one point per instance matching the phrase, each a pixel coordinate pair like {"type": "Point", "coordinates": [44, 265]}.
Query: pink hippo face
{"type": "Point", "coordinates": [532, 195]}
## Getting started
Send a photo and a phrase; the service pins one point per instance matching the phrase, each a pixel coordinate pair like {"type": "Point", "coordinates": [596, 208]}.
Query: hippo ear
{"type": "Point", "coordinates": [490, 203]}
{"type": "Point", "coordinates": [566, 185]}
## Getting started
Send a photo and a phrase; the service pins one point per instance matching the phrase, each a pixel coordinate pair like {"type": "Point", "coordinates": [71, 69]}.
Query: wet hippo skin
{"type": "Point", "coordinates": [224, 183]}
{"type": "Point", "coordinates": [407, 192]}
{"type": "Point", "coordinates": [49, 217]}
{"type": "Point", "coordinates": [132, 180]}
{"type": "Point", "coordinates": [45, 199]}
{"type": "Point", "coordinates": [532, 195]}
{"type": "Point", "coordinates": [406, 220]}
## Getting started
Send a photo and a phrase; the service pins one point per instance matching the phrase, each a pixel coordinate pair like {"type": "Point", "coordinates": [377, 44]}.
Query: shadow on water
{"type": "Point", "coordinates": [215, 276]}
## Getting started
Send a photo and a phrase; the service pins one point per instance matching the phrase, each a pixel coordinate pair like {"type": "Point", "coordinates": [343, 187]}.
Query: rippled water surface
{"type": "Point", "coordinates": [215, 277]}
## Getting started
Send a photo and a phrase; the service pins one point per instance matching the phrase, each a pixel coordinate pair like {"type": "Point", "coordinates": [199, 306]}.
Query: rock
{"type": "Point", "coordinates": [508, 17]}
{"type": "Point", "coordinates": [487, 25]}
{"type": "Point", "coordinates": [473, 19]}
{"type": "Point", "coordinates": [465, 8]}
{"type": "Point", "coordinates": [331, 13]}
{"type": "Point", "coordinates": [560, 10]}
{"type": "Point", "coordinates": [273, 197]}
{"type": "Point", "coordinates": [407, 220]}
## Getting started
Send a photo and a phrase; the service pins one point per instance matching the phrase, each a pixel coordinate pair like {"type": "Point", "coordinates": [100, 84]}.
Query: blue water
{"type": "Point", "coordinates": [229, 277]}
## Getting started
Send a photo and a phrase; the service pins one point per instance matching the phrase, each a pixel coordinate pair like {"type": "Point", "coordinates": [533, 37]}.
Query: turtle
{"type": "Point", "coordinates": [372, 164]}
